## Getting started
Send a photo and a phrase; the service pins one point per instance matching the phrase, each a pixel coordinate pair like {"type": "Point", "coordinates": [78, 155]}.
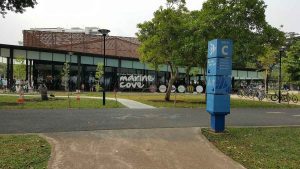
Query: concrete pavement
{"type": "Point", "coordinates": [135, 138]}
{"type": "Point", "coordinates": [176, 148]}
{"type": "Point", "coordinates": [65, 120]}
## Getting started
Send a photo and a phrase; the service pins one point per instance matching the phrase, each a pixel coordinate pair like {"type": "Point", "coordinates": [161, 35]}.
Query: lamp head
{"type": "Point", "coordinates": [104, 32]}
{"type": "Point", "coordinates": [282, 49]}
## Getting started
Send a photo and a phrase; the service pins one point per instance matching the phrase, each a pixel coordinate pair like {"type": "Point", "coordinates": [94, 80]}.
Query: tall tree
{"type": "Point", "coordinates": [20, 68]}
{"type": "Point", "coordinates": [194, 43]}
{"type": "Point", "coordinates": [291, 64]}
{"type": "Point", "coordinates": [161, 39]}
{"type": "Point", "coordinates": [99, 75]}
{"type": "Point", "coordinates": [243, 21]}
{"type": "Point", "coordinates": [267, 60]}
{"type": "Point", "coordinates": [272, 39]}
{"type": "Point", "coordinates": [17, 6]}
{"type": "Point", "coordinates": [65, 75]}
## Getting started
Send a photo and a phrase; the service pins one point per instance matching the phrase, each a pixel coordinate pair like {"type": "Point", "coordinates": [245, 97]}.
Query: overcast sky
{"type": "Point", "coordinates": [120, 16]}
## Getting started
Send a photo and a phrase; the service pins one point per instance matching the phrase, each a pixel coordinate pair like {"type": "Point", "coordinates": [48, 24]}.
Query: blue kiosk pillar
{"type": "Point", "coordinates": [219, 68]}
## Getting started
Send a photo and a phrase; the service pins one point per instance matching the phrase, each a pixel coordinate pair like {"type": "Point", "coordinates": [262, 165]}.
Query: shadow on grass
{"type": "Point", "coordinates": [40, 100]}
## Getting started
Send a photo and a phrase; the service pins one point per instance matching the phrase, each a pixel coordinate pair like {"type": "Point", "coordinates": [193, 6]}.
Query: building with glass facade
{"type": "Point", "coordinates": [45, 52]}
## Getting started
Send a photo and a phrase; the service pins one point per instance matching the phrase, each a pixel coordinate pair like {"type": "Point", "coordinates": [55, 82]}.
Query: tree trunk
{"type": "Point", "coordinates": [187, 75]}
{"type": "Point", "coordinates": [266, 82]}
{"type": "Point", "coordinates": [171, 82]}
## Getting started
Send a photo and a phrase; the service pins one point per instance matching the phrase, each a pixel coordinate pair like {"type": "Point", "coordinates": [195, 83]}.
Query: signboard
{"type": "Point", "coordinates": [135, 81]}
{"type": "Point", "coordinates": [219, 68]}
{"type": "Point", "coordinates": [220, 48]}
{"type": "Point", "coordinates": [218, 85]}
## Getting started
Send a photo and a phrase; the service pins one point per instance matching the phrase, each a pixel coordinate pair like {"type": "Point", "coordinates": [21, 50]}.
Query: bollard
{"type": "Point", "coordinates": [78, 100]}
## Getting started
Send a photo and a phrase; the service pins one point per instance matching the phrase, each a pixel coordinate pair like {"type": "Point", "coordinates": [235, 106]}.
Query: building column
{"type": "Point", "coordinates": [78, 72]}
{"type": "Point", "coordinates": [26, 62]}
{"type": "Point", "coordinates": [30, 72]}
{"type": "Point", "coordinates": [7, 70]}
{"type": "Point", "coordinates": [52, 75]}
{"type": "Point", "coordinates": [10, 68]}
{"type": "Point", "coordinates": [34, 73]}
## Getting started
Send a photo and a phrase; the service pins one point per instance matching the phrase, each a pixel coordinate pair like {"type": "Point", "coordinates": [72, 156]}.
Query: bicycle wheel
{"type": "Point", "coordinates": [294, 99]}
{"type": "Point", "coordinates": [285, 98]}
{"type": "Point", "coordinates": [261, 96]}
{"type": "Point", "coordinates": [274, 97]}
{"type": "Point", "coordinates": [240, 93]}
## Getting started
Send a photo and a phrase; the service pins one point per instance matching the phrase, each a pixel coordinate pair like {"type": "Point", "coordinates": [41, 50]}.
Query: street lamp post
{"type": "Point", "coordinates": [104, 32]}
{"type": "Point", "coordinates": [281, 51]}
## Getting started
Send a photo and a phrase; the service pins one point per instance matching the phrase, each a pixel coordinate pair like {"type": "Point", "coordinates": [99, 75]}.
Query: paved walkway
{"type": "Point", "coordinates": [134, 104]}
{"type": "Point", "coordinates": [126, 102]}
{"type": "Point", "coordinates": [177, 148]}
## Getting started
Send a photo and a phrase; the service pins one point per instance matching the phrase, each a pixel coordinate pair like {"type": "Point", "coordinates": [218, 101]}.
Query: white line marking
{"type": "Point", "coordinates": [296, 115]}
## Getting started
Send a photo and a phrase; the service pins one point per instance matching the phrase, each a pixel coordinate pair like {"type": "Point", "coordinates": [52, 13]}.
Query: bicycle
{"type": "Point", "coordinates": [285, 97]}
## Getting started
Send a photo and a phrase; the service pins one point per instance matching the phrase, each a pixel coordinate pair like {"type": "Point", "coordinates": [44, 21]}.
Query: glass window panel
{"type": "Point", "coordinates": [163, 68]}
{"type": "Point", "coordinates": [126, 64]}
{"type": "Point", "coordinates": [242, 74]}
{"type": "Point", "coordinates": [169, 69]}
{"type": "Point", "coordinates": [68, 58]}
{"type": "Point", "coordinates": [87, 60]}
{"type": "Point", "coordinates": [73, 59]}
{"type": "Point", "coordinates": [201, 71]}
{"type": "Point", "coordinates": [46, 56]}
{"type": "Point", "coordinates": [4, 52]}
{"type": "Point", "coordinates": [138, 65]}
{"type": "Point", "coordinates": [33, 55]}
{"type": "Point", "coordinates": [3, 60]}
{"type": "Point", "coordinates": [18, 53]}
{"type": "Point", "coordinates": [234, 73]}
{"type": "Point", "coordinates": [98, 60]}
{"type": "Point", "coordinates": [148, 67]}
{"type": "Point", "coordinates": [181, 70]}
{"type": "Point", "coordinates": [252, 74]}
{"type": "Point", "coordinates": [261, 75]}
{"type": "Point", "coordinates": [112, 62]}
{"type": "Point", "coordinates": [59, 57]}
{"type": "Point", "coordinates": [91, 68]}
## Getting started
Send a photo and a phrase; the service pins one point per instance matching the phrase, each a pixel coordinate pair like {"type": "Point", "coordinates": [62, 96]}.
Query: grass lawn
{"type": "Point", "coordinates": [183, 100]}
{"type": "Point", "coordinates": [23, 151]}
{"type": "Point", "coordinates": [257, 148]}
{"type": "Point", "coordinates": [35, 102]}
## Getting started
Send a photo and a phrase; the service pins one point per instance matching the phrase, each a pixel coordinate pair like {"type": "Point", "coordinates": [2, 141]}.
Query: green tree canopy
{"type": "Point", "coordinates": [20, 68]}
{"type": "Point", "coordinates": [244, 22]}
{"type": "Point", "coordinates": [291, 63]}
{"type": "Point", "coordinates": [178, 37]}
{"type": "Point", "coordinates": [65, 75]}
{"type": "Point", "coordinates": [17, 6]}
{"type": "Point", "coordinates": [162, 39]}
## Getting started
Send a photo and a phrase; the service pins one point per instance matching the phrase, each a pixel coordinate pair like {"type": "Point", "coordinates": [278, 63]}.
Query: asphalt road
{"type": "Point", "coordinates": [44, 121]}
